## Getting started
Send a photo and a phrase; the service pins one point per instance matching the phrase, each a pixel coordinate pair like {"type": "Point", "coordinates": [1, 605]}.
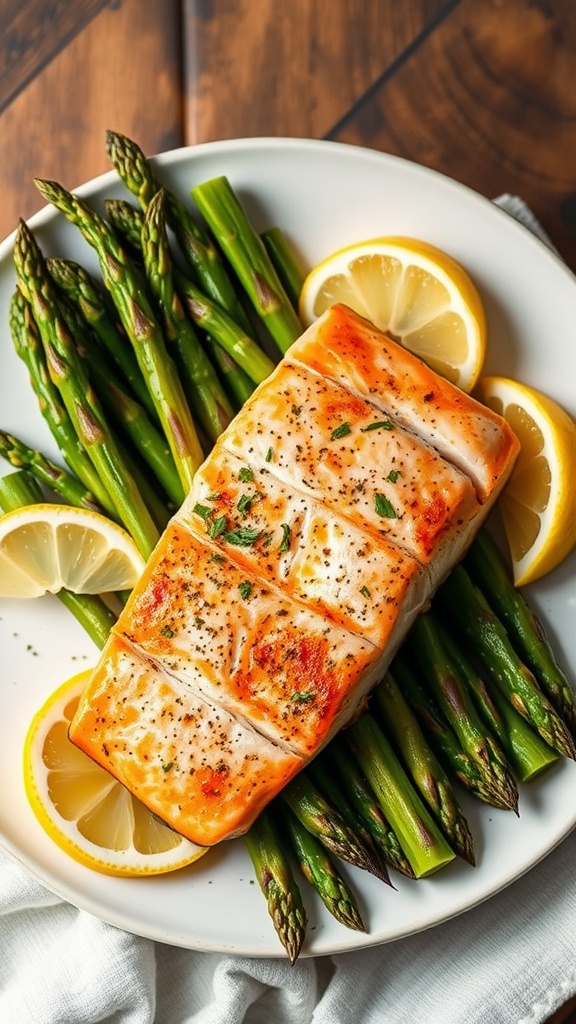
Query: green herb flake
{"type": "Point", "coordinates": [242, 538]}
{"type": "Point", "coordinates": [213, 497]}
{"type": "Point", "coordinates": [269, 455]}
{"type": "Point", "coordinates": [166, 631]}
{"type": "Point", "coordinates": [378, 425]}
{"type": "Point", "coordinates": [393, 476]}
{"type": "Point", "coordinates": [384, 508]}
{"type": "Point", "coordinates": [244, 504]}
{"type": "Point", "coordinates": [204, 511]}
{"type": "Point", "coordinates": [303, 696]}
{"type": "Point", "coordinates": [217, 558]}
{"type": "Point", "coordinates": [286, 538]}
{"type": "Point", "coordinates": [168, 766]}
{"type": "Point", "coordinates": [296, 410]}
{"type": "Point", "coordinates": [245, 475]}
{"type": "Point", "coordinates": [245, 589]}
{"type": "Point", "coordinates": [217, 527]}
{"type": "Point", "coordinates": [340, 431]}
{"type": "Point", "coordinates": [268, 540]}
{"type": "Point", "coordinates": [365, 592]}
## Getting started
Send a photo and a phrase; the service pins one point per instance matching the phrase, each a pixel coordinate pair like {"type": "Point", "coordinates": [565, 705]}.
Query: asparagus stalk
{"type": "Point", "coordinates": [198, 249]}
{"type": "Point", "coordinates": [468, 608]}
{"type": "Point", "coordinates": [318, 868]}
{"type": "Point", "coordinates": [82, 290]}
{"type": "Point", "coordinates": [19, 489]}
{"type": "Point", "coordinates": [277, 882]}
{"type": "Point", "coordinates": [129, 295]}
{"type": "Point", "coordinates": [326, 823]}
{"type": "Point", "coordinates": [46, 472]}
{"type": "Point", "coordinates": [246, 253]}
{"type": "Point", "coordinates": [320, 774]}
{"type": "Point", "coordinates": [28, 345]}
{"type": "Point", "coordinates": [356, 788]}
{"type": "Point", "coordinates": [205, 313]}
{"type": "Point", "coordinates": [526, 751]}
{"type": "Point", "coordinates": [69, 376]}
{"type": "Point", "coordinates": [420, 837]}
{"type": "Point", "coordinates": [489, 571]}
{"type": "Point", "coordinates": [205, 393]}
{"type": "Point", "coordinates": [285, 262]}
{"type": "Point", "coordinates": [426, 772]}
{"type": "Point", "coordinates": [236, 381]}
{"type": "Point", "coordinates": [426, 643]}
{"type": "Point", "coordinates": [439, 732]}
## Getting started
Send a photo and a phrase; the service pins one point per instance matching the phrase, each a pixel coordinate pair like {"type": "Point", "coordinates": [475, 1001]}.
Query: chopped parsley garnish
{"type": "Point", "coordinates": [245, 475]}
{"type": "Point", "coordinates": [286, 538]}
{"type": "Point", "coordinates": [217, 527]}
{"type": "Point", "coordinates": [384, 508]}
{"type": "Point", "coordinates": [268, 540]}
{"type": "Point", "coordinates": [245, 589]}
{"type": "Point", "coordinates": [214, 497]}
{"type": "Point", "coordinates": [217, 558]}
{"type": "Point", "coordinates": [244, 503]}
{"type": "Point", "coordinates": [242, 538]}
{"type": "Point", "coordinates": [269, 454]}
{"type": "Point", "coordinates": [393, 475]}
{"type": "Point", "coordinates": [364, 591]}
{"type": "Point", "coordinates": [168, 766]}
{"type": "Point", "coordinates": [340, 431]}
{"type": "Point", "coordinates": [204, 511]}
{"type": "Point", "coordinates": [378, 425]}
{"type": "Point", "coordinates": [303, 696]}
{"type": "Point", "coordinates": [166, 631]}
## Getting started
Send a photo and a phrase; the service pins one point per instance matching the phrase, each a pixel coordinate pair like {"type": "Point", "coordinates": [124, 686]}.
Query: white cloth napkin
{"type": "Point", "coordinates": [511, 960]}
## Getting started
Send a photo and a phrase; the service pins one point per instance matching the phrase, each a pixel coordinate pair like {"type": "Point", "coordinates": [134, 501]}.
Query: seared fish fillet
{"type": "Point", "coordinates": [326, 515]}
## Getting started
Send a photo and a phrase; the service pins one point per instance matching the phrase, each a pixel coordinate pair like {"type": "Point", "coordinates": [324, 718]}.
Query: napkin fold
{"type": "Point", "coordinates": [511, 960]}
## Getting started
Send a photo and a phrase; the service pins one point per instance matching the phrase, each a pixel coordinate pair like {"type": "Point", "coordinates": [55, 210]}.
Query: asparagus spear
{"type": "Point", "coordinates": [205, 313]}
{"type": "Point", "coordinates": [19, 455]}
{"type": "Point", "coordinates": [28, 345]}
{"type": "Point", "coordinates": [489, 571]}
{"type": "Point", "coordinates": [439, 672]}
{"type": "Point", "coordinates": [82, 290]}
{"type": "Point", "coordinates": [318, 868]}
{"type": "Point", "coordinates": [328, 785]}
{"type": "Point", "coordinates": [426, 772]}
{"type": "Point", "coordinates": [438, 731]}
{"type": "Point", "coordinates": [20, 488]}
{"type": "Point", "coordinates": [285, 262]}
{"type": "Point", "coordinates": [199, 378]}
{"type": "Point", "coordinates": [354, 785]}
{"type": "Point", "coordinates": [467, 607]}
{"type": "Point", "coordinates": [277, 882]}
{"type": "Point", "coordinates": [200, 252]}
{"type": "Point", "coordinates": [68, 374]}
{"type": "Point", "coordinates": [232, 229]}
{"type": "Point", "coordinates": [129, 295]}
{"type": "Point", "coordinates": [421, 840]}
{"type": "Point", "coordinates": [326, 823]}
{"type": "Point", "coordinates": [526, 751]}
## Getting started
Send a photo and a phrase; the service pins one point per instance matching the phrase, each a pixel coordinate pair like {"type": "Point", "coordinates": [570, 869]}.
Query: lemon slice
{"type": "Point", "coordinates": [414, 292]}
{"type": "Point", "coordinates": [538, 505]}
{"type": "Point", "coordinates": [45, 548]}
{"type": "Point", "coordinates": [84, 809]}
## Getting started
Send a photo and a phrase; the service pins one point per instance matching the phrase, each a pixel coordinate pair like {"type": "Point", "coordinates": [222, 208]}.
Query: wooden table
{"type": "Point", "coordinates": [482, 90]}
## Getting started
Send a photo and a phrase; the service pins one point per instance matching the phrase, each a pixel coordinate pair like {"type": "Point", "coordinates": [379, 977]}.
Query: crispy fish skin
{"type": "Point", "coordinates": [188, 760]}
{"type": "Point", "coordinates": [309, 551]}
{"type": "Point", "coordinates": [274, 663]}
{"type": "Point", "coordinates": [350, 351]}
{"type": "Point", "coordinates": [339, 448]}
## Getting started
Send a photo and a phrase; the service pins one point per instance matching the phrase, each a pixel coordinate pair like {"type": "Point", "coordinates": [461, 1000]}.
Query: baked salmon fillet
{"type": "Point", "coordinates": [319, 526]}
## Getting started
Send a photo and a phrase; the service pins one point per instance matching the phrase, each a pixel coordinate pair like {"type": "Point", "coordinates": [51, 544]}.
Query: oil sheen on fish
{"type": "Point", "coordinates": [319, 526]}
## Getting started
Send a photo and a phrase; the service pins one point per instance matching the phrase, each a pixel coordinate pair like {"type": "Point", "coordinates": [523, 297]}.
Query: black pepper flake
{"type": "Point", "coordinates": [296, 410]}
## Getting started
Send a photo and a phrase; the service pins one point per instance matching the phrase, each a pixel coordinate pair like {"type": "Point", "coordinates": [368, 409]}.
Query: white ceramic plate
{"type": "Point", "coordinates": [324, 196]}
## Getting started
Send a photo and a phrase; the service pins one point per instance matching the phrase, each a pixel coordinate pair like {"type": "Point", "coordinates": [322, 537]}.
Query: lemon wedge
{"type": "Point", "coordinates": [45, 548]}
{"type": "Point", "coordinates": [414, 292]}
{"type": "Point", "coordinates": [87, 813]}
{"type": "Point", "coordinates": [538, 504]}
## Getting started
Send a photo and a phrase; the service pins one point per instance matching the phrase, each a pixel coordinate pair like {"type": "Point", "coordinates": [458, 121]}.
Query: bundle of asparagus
{"type": "Point", "coordinates": [136, 380]}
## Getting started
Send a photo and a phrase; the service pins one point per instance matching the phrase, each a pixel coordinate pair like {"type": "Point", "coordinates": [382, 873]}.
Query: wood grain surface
{"type": "Point", "coordinates": [481, 90]}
